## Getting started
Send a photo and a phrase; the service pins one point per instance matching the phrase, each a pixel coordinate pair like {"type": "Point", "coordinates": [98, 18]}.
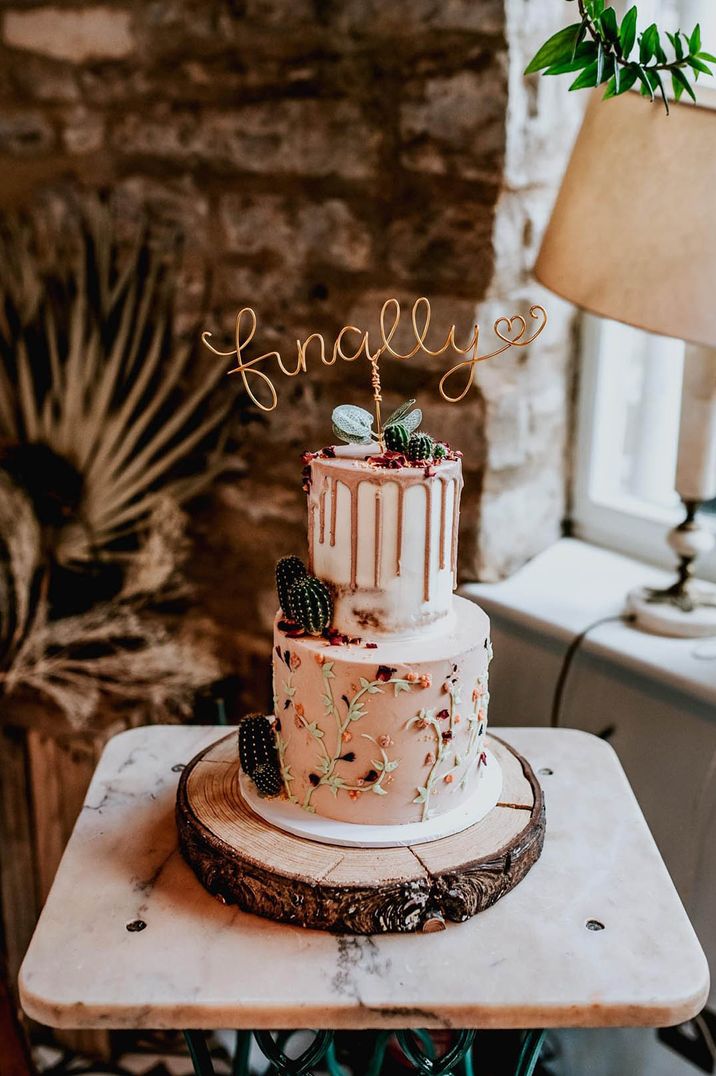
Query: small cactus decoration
{"type": "Point", "coordinates": [440, 451]}
{"type": "Point", "coordinates": [420, 447]}
{"type": "Point", "coordinates": [258, 754]}
{"type": "Point", "coordinates": [396, 437]}
{"type": "Point", "coordinates": [288, 571]}
{"type": "Point", "coordinates": [310, 604]}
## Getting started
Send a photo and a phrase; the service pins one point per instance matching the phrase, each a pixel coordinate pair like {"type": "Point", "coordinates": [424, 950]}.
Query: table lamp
{"type": "Point", "coordinates": [632, 237]}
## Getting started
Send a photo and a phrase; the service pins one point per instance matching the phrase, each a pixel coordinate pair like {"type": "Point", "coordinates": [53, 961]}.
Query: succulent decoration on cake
{"type": "Point", "coordinates": [258, 754]}
{"type": "Point", "coordinates": [399, 434]}
{"type": "Point", "coordinates": [355, 425]}
{"type": "Point", "coordinates": [420, 447]}
{"type": "Point", "coordinates": [310, 604]}
{"type": "Point", "coordinates": [303, 598]}
{"type": "Point", "coordinates": [288, 571]}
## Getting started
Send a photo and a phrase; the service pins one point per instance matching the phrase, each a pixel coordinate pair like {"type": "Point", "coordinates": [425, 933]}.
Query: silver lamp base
{"type": "Point", "coordinates": [686, 609]}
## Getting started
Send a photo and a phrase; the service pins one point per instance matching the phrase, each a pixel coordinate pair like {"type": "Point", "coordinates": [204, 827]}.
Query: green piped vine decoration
{"type": "Point", "coordinates": [381, 766]}
{"type": "Point", "coordinates": [355, 710]}
{"type": "Point", "coordinates": [602, 52]}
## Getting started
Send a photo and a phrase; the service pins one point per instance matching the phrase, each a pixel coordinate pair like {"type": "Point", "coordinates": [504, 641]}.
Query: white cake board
{"type": "Point", "coordinates": [292, 818]}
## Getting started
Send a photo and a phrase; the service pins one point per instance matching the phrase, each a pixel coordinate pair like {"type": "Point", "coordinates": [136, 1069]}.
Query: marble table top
{"type": "Point", "coordinates": [537, 958]}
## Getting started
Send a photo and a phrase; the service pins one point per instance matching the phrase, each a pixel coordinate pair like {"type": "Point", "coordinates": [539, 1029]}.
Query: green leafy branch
{"type": "Point", "coordinates": [603, 52]}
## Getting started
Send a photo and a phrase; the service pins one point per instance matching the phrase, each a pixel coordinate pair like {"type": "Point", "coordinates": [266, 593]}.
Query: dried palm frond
{"type": "Point", "coordinates": [105, 429]}
{"type": "Point", "coordinates": [19, 560]}
{"type": "Point", "coordinates": [90, 369]}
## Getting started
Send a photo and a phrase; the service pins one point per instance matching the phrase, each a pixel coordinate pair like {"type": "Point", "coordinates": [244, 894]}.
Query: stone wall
{"type": "Point", "coordinates": [321, 155]}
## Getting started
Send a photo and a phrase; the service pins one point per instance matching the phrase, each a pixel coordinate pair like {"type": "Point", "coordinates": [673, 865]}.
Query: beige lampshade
{"type": "Point", "coordinates": [633, 233]}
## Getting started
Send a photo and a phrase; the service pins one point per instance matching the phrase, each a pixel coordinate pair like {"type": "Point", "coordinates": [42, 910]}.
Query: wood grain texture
{"type": "Point", "coordinates": [243, 860]}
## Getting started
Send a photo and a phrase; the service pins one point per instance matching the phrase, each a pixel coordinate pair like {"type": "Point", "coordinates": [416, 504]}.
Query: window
{"type": "Point", "coordinates": [628, 424]}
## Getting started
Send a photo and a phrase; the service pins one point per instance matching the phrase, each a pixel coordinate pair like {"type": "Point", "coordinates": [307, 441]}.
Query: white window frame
{"type": "Point", "coordinates": [600, 513]}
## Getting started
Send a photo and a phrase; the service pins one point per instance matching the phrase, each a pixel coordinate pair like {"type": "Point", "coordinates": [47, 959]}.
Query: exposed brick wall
{"type": "Point", "coordinates": [322, 155]}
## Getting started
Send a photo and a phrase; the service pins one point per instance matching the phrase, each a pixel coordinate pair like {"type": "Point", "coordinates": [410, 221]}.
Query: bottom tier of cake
{"type": "Point", "coordinates": [383, 733]}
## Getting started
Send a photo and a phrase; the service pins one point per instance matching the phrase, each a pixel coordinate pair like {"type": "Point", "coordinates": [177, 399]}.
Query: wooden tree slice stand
{"type": "Point", "coordinates": [241, 859]}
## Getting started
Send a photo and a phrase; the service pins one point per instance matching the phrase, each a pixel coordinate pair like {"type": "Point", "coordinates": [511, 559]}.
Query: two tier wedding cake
{"type": "Point", "coordinates": [379, 670]}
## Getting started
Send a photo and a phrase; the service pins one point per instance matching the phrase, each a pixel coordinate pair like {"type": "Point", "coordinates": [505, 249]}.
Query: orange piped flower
{"type": "Point", "coordinates": [295, 661]}
{"type": "Point", "coordinates": [347, 736]}
{"type": "Point", "coordinates": [425, 680]}
{"type": "Point", "coordinates": [448, 778]}
{"type": "Point", "coordinates": [353, 793]}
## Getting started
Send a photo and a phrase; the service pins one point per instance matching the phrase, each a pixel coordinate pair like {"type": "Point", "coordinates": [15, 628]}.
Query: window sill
{"type": "Point", "coordinates": [572, 584]}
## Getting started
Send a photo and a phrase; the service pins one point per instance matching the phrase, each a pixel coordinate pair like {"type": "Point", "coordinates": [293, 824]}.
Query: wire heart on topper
{"type": "Point", "coordinates": [421, 315]}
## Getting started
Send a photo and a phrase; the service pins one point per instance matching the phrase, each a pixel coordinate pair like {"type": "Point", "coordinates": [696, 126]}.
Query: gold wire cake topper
{"type": "Point", "coordinates": [510, 330]}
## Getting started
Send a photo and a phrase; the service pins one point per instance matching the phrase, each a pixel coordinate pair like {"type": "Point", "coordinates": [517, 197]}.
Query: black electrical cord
{"type": "Point", "coordinates": [568, 659]}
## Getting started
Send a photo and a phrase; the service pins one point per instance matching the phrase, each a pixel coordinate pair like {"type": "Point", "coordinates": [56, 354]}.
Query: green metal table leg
{"type": "Point", "coordinates": [378, 1056]}
{"type": "Point", "coordinates": [417, 1046]}
{"type": "Point", "coordinates": [298, 1066]}
{"type": "Point", "coordinates": [425, 1063]}
{"type": "Point", "coordinates": [529, 1054]}
{"type": "Point", "coordinates": [199, 1053]}
{"type": "Point", "coordinates": [242, 1051]}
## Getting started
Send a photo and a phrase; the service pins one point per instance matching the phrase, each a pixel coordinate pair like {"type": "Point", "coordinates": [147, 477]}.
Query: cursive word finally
{"type": "Point", "coordinates": [453, 386]}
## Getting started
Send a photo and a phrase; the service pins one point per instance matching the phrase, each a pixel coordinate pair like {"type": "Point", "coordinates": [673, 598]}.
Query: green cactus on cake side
{"type": "Point", "coordinates": [310, 604]}
{"type": "Point", "coordinates": [258, 754]}
{"type": "Point", "coordinates": [396, 437]}
{"type": "Point", "coordinates": [440, 451]}
{"type": "Point", "coordinates": [420, 447]}
{"type": "Point", "coordinates": [288, 571]}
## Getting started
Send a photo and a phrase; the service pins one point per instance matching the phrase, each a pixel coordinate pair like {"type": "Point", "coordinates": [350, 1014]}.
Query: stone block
{"type": "Point", "coordinates": [83, 132]}
{"type": "Point", "coordinates": [444, 248]}
{"type": "Point", "coordinates": [175, 202]}
{"type": "Point", "coordinates": [43, 79]}
{"type": "Point", "coordinates": [294, 231]}
{"type": "Point", "coordinates": [75, 34]}
{"type": "Point", "coordinates": [519, 521]}
{"type": "Point", "coordinates": [456, 125]}
{"type": "Point", "coordinates": [311, 138]}
{"type": "Point", "coordinates": [372, 17]}
{"type": "Point", "coordinates": [25, 134]}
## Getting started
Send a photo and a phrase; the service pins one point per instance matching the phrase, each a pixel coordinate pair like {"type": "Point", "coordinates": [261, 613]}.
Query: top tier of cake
{"type": "Point", "coordinates": [385, 538]}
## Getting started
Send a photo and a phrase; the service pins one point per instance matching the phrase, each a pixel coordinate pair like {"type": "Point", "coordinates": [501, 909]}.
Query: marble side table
{"type": "Point", "coordinates": [594, 936]}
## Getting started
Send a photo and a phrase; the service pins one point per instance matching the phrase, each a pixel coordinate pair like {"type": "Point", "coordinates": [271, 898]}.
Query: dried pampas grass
{"type": "Point", "coordinates": [93, 378]}
{"type": "Point", "coordinates": [120, 651]}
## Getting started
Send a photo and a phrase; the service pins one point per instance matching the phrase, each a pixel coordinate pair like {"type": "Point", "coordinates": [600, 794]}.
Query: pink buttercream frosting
{"type": "Point", "coordinates": [383, 734]}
